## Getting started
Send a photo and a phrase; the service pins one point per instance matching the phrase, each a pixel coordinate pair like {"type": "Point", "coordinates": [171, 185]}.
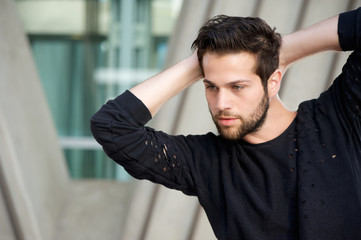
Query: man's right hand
{"type": "Point", "coordinates": [157, 90]}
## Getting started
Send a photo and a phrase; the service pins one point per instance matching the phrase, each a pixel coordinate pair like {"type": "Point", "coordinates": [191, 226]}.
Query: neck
{"type": "Point", "coordinates": [279, 118]}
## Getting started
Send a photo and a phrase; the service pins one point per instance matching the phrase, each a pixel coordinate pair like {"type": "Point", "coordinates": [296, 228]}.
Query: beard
{"type": "Point", "coordinates": [248, 125]}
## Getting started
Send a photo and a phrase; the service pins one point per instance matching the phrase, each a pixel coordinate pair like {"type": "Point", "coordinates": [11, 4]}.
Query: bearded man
{"type": "Point", "coordinates": [271, 173]}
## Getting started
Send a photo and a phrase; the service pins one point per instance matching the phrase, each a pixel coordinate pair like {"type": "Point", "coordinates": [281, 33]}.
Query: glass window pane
{"type": "Point", "coordinates": [88, 51]}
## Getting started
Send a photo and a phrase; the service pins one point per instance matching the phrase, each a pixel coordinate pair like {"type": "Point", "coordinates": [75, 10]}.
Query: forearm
{"type": "Point", "coordinates": [155, 91]}
{"type": "Point", "coordinates": [316, 38]}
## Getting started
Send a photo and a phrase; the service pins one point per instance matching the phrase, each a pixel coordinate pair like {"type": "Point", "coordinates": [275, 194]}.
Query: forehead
{"type": "Point", "coordinates": [229, 67]}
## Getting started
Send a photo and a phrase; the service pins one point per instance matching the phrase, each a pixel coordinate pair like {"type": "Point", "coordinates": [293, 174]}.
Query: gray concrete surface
{"type": "Point", "coordinates": [45, 203]}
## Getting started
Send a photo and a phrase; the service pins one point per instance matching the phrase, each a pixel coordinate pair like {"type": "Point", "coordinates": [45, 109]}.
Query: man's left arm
{"type": "Point", "coordinates": [316, 38]}
{"type": "Point", "coordinates": [340, 32]}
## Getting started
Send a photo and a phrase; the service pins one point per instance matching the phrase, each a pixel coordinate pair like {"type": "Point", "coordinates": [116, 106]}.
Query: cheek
{"type": "Point", "coordinates": [249, 101]}
{"type": "Point", "coordinates": [254, 95]}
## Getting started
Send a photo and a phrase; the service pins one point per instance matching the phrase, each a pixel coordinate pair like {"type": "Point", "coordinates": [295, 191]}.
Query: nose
{"type": "Point", "coordinates": [223, 101]}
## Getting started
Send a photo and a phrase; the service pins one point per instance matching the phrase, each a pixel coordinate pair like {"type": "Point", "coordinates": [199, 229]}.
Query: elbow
{"type": "Point", "coordinates": [95, 129]}
{"type": "Point", "coordinates": [100, 130]}
{"type": "Point", "coordinates": [102, 134]}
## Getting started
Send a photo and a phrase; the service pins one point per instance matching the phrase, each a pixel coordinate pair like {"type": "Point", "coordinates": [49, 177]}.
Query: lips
{"type": "Point", "coordinates": [227, 121]}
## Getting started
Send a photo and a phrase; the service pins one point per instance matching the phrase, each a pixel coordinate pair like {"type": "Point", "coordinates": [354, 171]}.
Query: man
{"type": "Point", "coordinates": [272, 173]}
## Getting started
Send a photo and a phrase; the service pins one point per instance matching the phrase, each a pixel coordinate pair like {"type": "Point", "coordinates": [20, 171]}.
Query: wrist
{"type": "Point", "coordinates": [194, 66]}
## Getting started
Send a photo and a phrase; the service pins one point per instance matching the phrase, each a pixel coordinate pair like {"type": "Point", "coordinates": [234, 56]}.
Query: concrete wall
{"type": "Point", "coordinates": [28, 148]}
{"type": "Point", "coordinates": [38, 200]}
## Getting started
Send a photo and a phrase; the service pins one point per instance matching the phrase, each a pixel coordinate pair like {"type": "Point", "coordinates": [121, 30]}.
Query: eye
{"type": "Point", "coordinates": [211, 87]}
{"type": "Point", "coordinates": [237, 87]}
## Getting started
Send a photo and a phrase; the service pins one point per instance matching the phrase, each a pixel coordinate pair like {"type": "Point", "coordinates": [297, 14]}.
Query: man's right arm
{"type": "Point", "coordinates": [157, 90]}
{"type": "Point", "coordinates": [119, 126]}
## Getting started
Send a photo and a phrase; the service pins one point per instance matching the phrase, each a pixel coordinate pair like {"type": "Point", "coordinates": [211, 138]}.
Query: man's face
{"type": "Point", "coordinates": [235, 95]}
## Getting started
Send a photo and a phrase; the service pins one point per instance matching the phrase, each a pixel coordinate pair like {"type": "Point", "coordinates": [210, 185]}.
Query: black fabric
{"type": "Point", "coordinates": [305, 184]}
{"type": "Point", "coordinates": [264, 189]}
{"type": "Point", "coordinates": [349, 30]}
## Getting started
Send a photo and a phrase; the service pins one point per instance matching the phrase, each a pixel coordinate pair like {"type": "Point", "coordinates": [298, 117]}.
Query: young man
{"type": "Point", "coordinates": [272, 173]}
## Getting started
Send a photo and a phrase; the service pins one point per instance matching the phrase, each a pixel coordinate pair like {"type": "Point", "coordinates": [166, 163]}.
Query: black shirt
{"type": "Point", "coordinates": [269, 174]}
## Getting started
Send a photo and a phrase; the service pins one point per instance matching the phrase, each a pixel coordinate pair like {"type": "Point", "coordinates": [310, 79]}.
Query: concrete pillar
{"type": "Point", "coordinates": [28, 143]}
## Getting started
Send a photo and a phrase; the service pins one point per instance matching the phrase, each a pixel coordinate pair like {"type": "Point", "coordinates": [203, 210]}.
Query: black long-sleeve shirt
{"type": "Point", "coordinates": [304, 184]}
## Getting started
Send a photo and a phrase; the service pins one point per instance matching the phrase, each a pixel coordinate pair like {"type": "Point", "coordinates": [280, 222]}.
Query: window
{"type": "Point", "coordinates": [88, 51]}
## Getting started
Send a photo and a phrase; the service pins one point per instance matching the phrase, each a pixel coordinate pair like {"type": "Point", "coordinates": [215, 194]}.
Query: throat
{"type": "Point", "coordinates": [274, 126]}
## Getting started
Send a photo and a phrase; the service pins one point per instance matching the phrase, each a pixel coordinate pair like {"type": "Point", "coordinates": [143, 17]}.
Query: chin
{"type": "Point", "coordinates": [230, 134]}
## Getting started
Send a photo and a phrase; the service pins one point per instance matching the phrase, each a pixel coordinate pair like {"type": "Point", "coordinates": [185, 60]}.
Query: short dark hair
{"type": "Point", "coordinates": [225, 34]}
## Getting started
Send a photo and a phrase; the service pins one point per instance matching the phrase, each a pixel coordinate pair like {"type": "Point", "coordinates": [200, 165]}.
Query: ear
{"type": "Point", "coordinates": [274, 83]}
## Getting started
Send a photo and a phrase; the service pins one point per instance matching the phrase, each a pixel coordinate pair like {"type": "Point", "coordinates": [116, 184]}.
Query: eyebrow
{"type": "Point", "coordinates": [229, 83]}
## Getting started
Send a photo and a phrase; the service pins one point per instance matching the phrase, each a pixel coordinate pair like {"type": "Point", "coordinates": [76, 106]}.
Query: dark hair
{"type": "Point", "coordinates": [224, 34]}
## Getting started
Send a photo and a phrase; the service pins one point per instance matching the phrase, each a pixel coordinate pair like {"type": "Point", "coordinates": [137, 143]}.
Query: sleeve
{"type": "Point", "coordinates": [349, 82]}
{"type": "Point", "coordinates": [346, 92]}
{"type": "Point", "coordinates": [349, 30]}
{"type": "Point", "coordinates": [346, 89]}
{"type": "Point", "coordinates": [143, 152]}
